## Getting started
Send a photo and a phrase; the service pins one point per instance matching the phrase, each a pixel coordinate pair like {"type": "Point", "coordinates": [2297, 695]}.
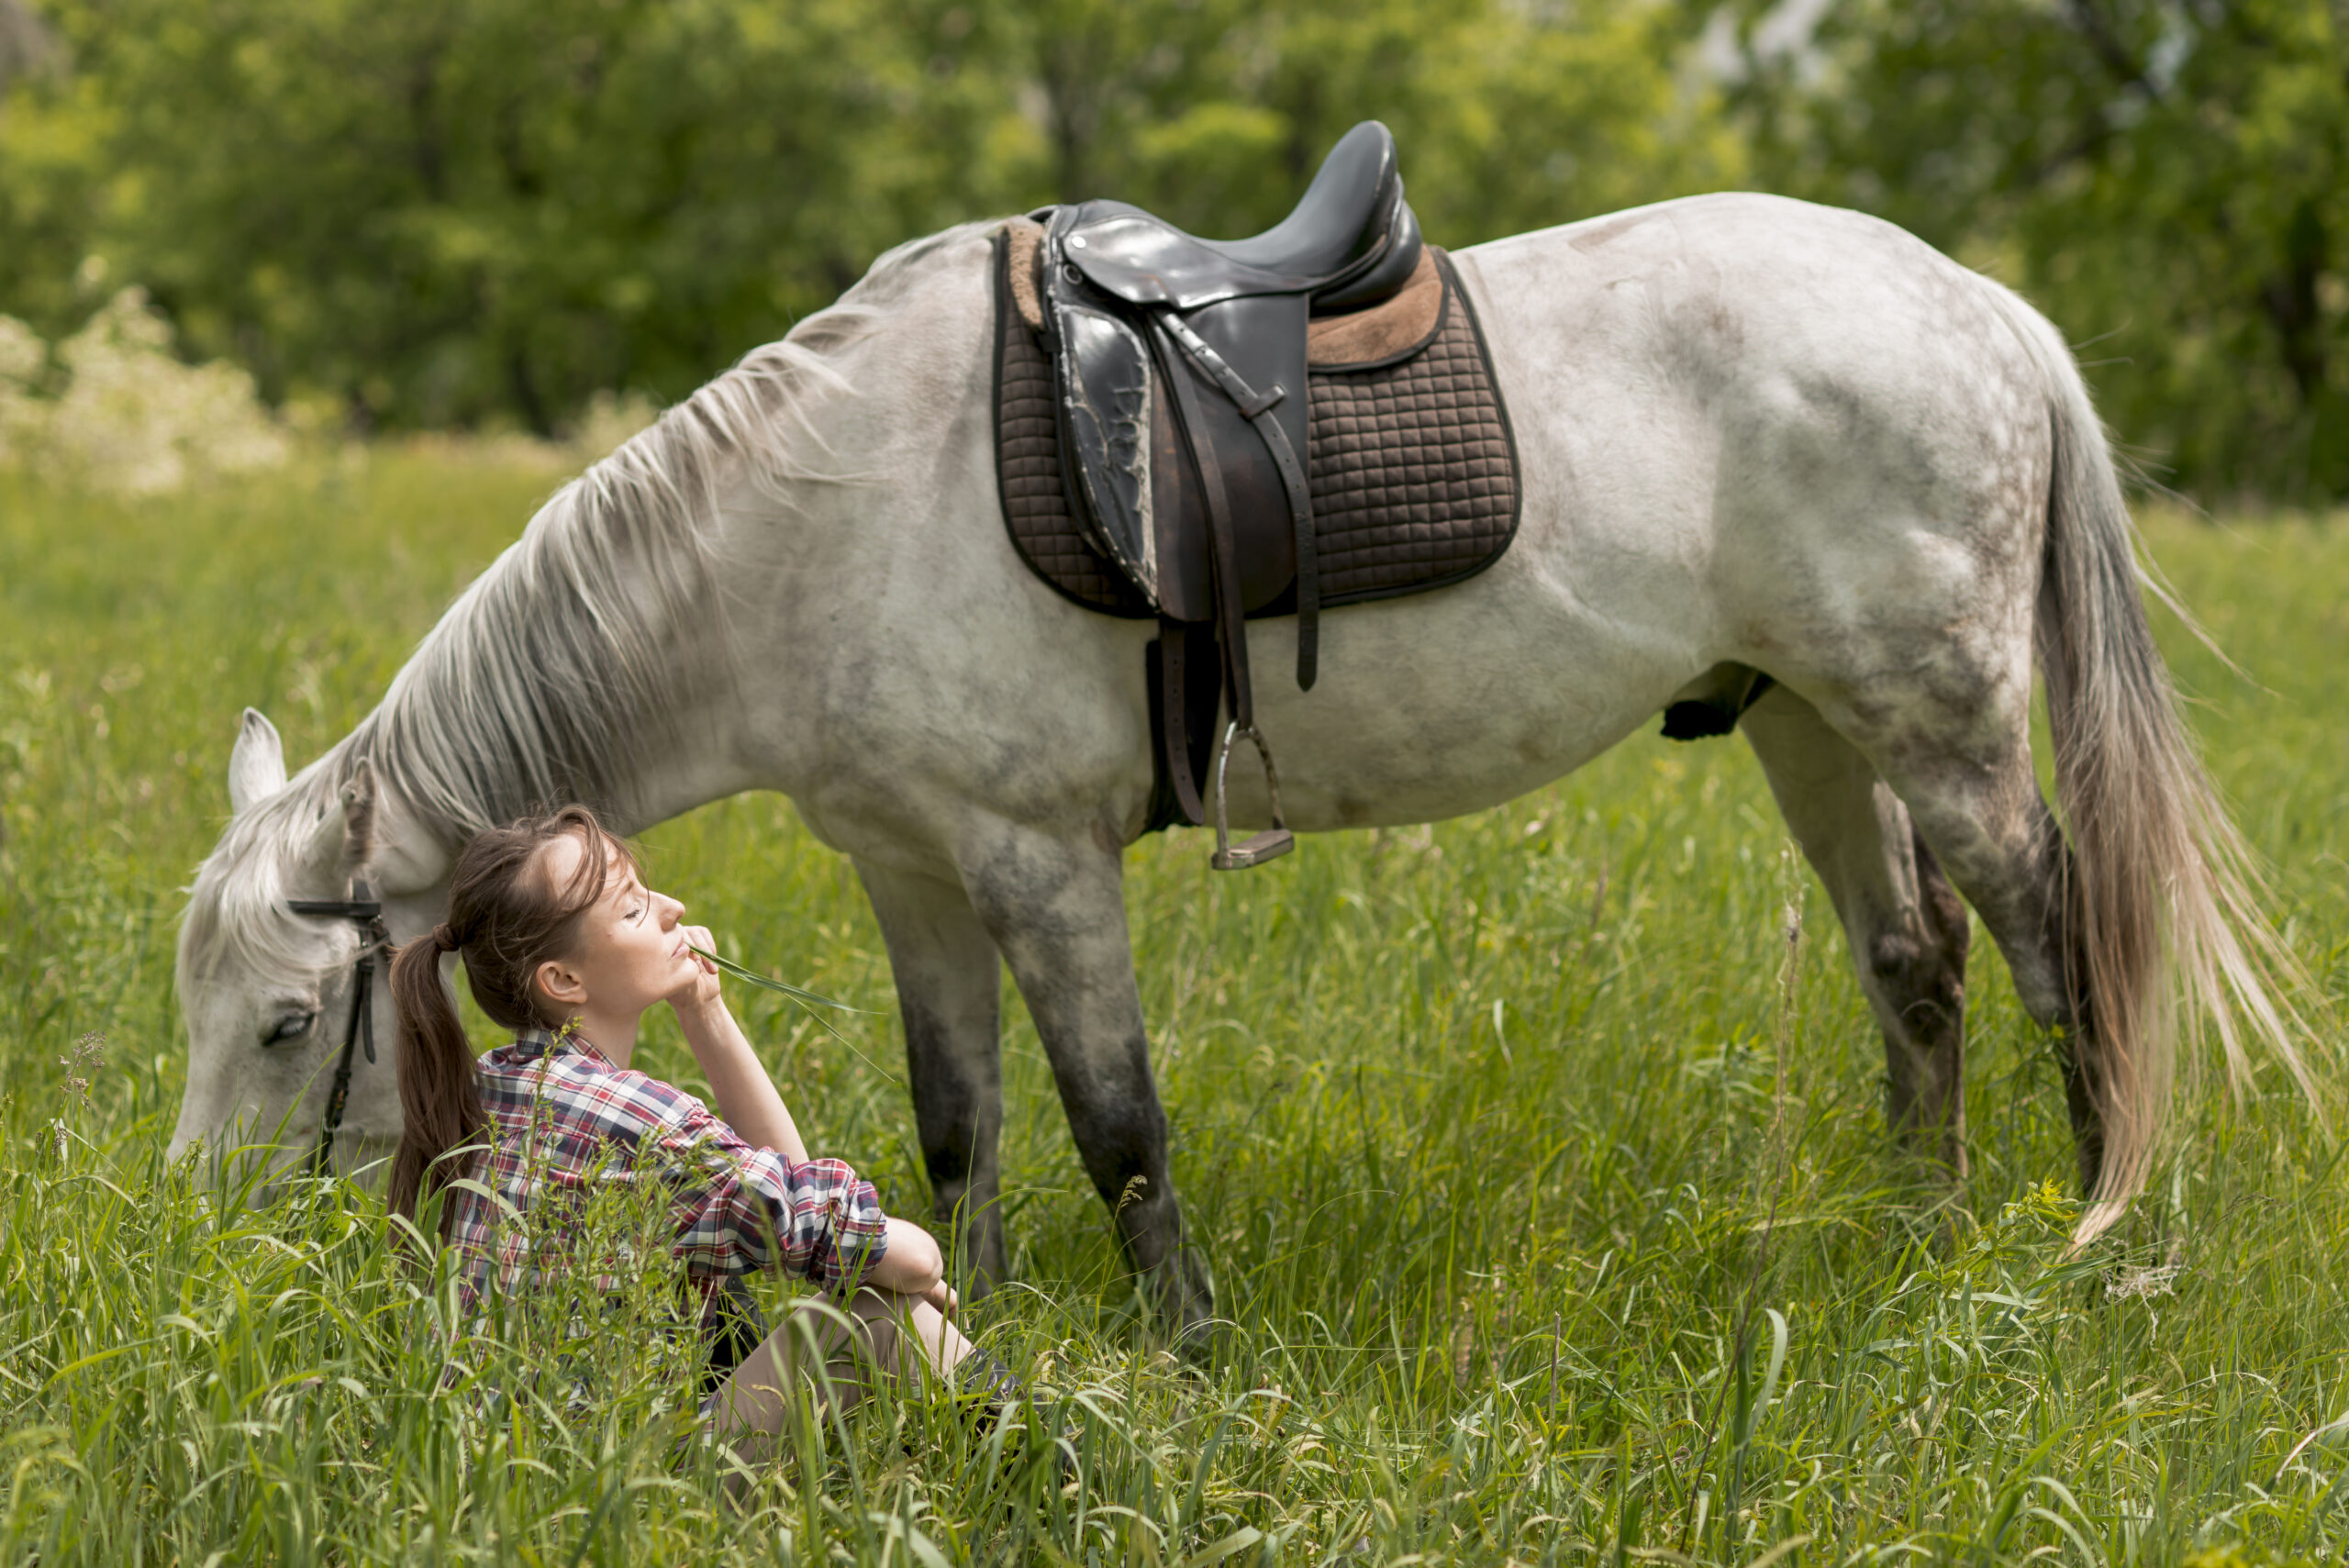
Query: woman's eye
{"type": "Point", "coordinates": [293, 1026]}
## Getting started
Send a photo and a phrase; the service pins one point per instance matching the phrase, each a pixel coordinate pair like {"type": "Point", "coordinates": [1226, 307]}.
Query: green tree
{"type": "Point", "coordinates": [2166, 178]}
{"type": "Point", "coordinates": [442, 210]}
{"type": "Point", "coordinates": [52, 128]}
{"type": "Point", "coordinates": [442, 213]}
{"type": "Point", "coordinates": [1510, 117]}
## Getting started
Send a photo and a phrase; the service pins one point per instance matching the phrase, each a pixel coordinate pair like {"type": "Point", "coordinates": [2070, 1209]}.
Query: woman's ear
{"type": "Point", "coordinates": [561, 984]}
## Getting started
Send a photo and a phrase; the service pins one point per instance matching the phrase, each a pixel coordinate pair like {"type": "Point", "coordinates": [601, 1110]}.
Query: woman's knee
{"type": "Point", "coordinates": [867, 1326]}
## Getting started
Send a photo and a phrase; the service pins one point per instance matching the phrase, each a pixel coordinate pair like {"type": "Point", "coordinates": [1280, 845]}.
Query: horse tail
{"type": "Point", "coordinates": [2161, 898]}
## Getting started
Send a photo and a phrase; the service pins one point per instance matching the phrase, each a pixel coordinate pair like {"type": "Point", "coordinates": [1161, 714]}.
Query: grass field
{"type": "Point", "coordinates": [1542, 1177]}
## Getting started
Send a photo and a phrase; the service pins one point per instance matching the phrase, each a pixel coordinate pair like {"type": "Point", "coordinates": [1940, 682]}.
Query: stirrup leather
{"type": "Point", "coordinates": [1273, 841]}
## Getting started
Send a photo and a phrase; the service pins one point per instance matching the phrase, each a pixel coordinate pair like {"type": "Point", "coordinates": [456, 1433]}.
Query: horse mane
{"type": "Point", "coordinates": [562, 660]}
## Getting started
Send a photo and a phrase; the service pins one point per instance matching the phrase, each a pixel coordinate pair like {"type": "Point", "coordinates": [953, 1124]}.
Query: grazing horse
{"type": "Point", "coordinates": [1750, 431]}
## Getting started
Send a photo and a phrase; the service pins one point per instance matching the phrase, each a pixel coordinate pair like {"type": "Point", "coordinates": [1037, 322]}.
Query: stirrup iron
{"type": "Point", "coordinates": [1273, 841]}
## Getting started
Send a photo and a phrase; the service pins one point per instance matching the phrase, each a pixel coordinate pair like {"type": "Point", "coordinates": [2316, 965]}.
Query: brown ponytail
{"type": "Point", "coordinates": [505, 917]}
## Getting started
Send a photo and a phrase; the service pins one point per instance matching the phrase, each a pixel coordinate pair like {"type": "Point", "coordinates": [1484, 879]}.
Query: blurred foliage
{"type": "Point", "coordinates": [435, 211]}
{"type": "Point", "coordinates": [2168, 179]}
{"type": "Point", "coordinates": [440, 213]}
{"type": "Point", "coordinates": [436, 214]}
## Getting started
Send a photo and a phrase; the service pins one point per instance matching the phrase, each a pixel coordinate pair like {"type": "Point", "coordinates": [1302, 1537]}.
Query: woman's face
{"type": "Point", "coordinates": [631, 952]}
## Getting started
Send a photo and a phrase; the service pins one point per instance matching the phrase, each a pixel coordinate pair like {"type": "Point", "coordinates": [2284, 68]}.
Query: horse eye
{"type": "Point", "coordinates": [293, 1026]}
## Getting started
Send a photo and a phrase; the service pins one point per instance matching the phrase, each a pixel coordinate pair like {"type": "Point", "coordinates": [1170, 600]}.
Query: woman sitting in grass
{"type": "Point", "coordinates": [563, 944]}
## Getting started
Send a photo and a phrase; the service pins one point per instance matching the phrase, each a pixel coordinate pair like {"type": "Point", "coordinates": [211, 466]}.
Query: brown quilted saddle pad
{"type": "Point", "coordinates": [1412, 464]}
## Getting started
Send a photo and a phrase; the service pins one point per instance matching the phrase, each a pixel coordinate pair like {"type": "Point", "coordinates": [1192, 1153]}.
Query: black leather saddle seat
{"type": "Point", "coordinates": [1351, 243]}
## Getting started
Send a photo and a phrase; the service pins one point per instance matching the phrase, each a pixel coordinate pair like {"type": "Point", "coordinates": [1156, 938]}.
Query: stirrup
{"type": "Point", "coordinates": [1273, 841]}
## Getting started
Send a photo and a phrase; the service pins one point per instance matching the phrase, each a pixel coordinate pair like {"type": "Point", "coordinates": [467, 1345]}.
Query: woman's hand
{"type": "Point", "coordinates": [738, 1080]}
{"type": "Point", "coordinates": [701, 994]}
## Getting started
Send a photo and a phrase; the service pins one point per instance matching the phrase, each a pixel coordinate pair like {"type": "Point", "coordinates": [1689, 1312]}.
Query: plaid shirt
{"type": "Point", "coordinates": [563, 1119]}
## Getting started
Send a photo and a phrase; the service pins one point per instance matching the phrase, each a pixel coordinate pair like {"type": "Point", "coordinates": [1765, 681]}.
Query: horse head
{"type": "Point", "coordinates": [268, 991]}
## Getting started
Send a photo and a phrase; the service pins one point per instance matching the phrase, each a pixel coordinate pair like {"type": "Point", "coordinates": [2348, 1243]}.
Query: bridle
{"type": "Point", "coordinates": [363, 909]}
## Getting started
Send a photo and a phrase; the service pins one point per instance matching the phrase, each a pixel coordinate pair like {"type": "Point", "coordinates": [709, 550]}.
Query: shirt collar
{"type": "Point", "coordinates": [529, 1044]}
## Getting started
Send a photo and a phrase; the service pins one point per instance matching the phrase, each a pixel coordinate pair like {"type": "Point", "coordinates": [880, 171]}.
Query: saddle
{"type": "Point", "coordinates": [1183, 445]}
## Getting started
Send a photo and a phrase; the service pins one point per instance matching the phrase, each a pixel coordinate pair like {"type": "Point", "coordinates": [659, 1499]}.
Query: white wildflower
{"type": "Point", "coordinates": [22, 354]}
{"type": "Point", "coordinates": [132, 419]}
{"type": "Point", "coordinates": [2146, 1282]}
{"type": "Point", "coordinates": [22, 415]}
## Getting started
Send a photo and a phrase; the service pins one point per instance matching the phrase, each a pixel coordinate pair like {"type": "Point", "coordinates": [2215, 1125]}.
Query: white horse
{"type": "Point", "coordinates": [1751, 431]}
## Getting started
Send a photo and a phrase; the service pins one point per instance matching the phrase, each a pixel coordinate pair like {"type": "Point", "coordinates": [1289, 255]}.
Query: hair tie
{"type": "Point", "coordinates": [444, 939]}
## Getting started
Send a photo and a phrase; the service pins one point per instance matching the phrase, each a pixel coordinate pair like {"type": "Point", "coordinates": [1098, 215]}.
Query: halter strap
{"type": "Point", "coordinates": [364, 909]}
{"type": "Point", "coordinates": [349, 908]}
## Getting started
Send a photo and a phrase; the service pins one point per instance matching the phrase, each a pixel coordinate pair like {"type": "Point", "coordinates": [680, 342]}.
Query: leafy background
{"type": "Point", "coordinates": [422, 213]}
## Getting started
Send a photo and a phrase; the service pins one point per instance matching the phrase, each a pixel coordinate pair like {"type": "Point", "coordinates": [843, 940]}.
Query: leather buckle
{"type": "Point", "coordinates": [1264, 402]}
{"type": "Point", "coordinates": [1273, 841]}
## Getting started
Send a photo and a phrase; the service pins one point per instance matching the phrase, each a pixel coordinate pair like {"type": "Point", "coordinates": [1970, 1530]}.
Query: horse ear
{"type": "Point", "coordinates": [359, 816]}
{"type": "Point", "coordinates": [257, 765]}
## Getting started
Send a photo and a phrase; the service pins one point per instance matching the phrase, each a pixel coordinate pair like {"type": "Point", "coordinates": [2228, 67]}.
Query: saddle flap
{"type": "Point", "coordinates": [1263, 339]}
{"type": "Point", "coordinates": [1106, 418]}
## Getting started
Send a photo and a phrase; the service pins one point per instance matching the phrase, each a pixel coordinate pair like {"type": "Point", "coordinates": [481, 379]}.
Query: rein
{"type": "Point", "coordinates": [363, 909]}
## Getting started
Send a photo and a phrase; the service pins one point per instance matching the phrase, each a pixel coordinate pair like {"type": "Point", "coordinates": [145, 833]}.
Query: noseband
{"type": "Point", "coordinates": [363, 909]}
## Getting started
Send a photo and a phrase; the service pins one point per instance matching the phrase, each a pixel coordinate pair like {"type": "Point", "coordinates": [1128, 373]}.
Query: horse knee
{"type": "Point", "coordinates": [956, 1113]}
{"type": "Point", "coordinates": [1918, 988]}
{"type": "Point", "coordinates": [1122, 1140]}
{"type": "Point", "coordinates": [1921, 983]}
{"type": "Point", "coordinates": [1946, 924]}
{"type": "Point", "coordinates": [950, 1152]}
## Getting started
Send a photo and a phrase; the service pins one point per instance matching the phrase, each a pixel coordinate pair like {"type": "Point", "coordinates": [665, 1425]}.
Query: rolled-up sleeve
{"type": "Point", "coordinates": [740, 1209]}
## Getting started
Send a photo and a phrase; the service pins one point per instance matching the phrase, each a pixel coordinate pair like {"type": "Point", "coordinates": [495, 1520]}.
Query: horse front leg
{"type": "Point", "coordinates": [949, 981]}
{"type": "Point", "coordinates": [1056, 908]}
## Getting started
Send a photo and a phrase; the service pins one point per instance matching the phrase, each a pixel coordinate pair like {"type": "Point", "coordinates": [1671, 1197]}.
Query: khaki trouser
{"type": "Point", "coordinates": [844, 1349]}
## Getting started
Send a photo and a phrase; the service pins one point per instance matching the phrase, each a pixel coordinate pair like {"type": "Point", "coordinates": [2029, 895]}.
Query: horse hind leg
{"type": "Point", "coordinates": [1906, 929]}
{"type": "Point", "coordinates": [1967, 779]}
{"type": "Point", "coordinates": [1992, 829]}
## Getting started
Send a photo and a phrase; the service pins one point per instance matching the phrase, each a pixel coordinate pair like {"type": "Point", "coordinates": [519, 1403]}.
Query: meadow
{"type": "Point", "coordinates": [1537, 1155]}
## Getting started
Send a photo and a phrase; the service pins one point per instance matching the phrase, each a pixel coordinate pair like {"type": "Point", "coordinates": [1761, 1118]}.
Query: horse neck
{"type": "Point", "coordinates": [514, 704]}
{"type": "Point", "coordinates": [595, 660]}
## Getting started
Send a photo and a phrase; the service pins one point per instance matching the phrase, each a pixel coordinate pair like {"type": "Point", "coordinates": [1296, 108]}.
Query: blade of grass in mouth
{"type": "Point", "coordinates": [808, 999]}
{"type": "Point", "coordinates": [796, 993]}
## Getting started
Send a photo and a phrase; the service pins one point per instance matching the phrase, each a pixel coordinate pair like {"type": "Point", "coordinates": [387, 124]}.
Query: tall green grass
{"type": "Point", "coordinates": [1537, 1155]}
